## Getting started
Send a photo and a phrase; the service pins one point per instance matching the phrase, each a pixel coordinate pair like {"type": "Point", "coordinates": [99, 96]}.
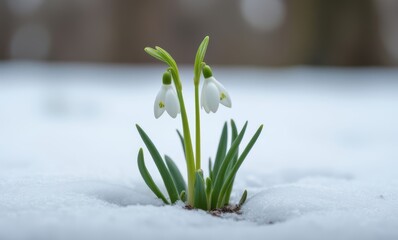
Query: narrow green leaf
{"type": "Point", "coordinates": [221, 150]}
{"type": "Point", "coordinates": [210, 169]}
{"type": "Point", "coordinates": [231, 176]}
{"type": "Point", "coordinates": [154, 53]}
{"type": "Point", "coordinates": [208, 191]}
{"type": "Point", "coordinates": [164, 172]}
{"type": "Point", "coordinates": [234, 136]}
{"type": "Point", "coordinates": [200, 194]}
{"type": "Point", "coordinates": [208, 185]}
{"type": "Point", "coordinates": [182, 141]}
{"type": "Point", "coordinates": [228, 193]}
{"type": "Point", "coordinates": [234, 131]}
{"type": "Point", "coordinates": [219, 179]}
{"type": "Point", "coordinates": [147, 177]}
{"type": "Point", "coordinates": [243, 198]}
{"type": "Point", "coordinates": [176, 175]}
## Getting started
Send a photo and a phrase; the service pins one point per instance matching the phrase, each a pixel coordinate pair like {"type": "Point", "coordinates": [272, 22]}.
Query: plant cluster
{"type": "Point", "coordinates": [201, 192]}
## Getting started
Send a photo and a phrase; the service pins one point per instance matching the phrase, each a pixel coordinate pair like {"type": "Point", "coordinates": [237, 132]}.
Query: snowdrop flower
{"type": "Point", "coordinates": [213, 92]}
{"type": "Point", "coordinates": [166, 99]}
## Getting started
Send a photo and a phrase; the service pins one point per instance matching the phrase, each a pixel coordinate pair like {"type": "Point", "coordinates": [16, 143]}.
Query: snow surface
{"type": "Point", "coordinates": [325, 166]}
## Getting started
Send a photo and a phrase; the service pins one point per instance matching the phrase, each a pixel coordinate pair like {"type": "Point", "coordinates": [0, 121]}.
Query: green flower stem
{"type": "Point", "coordinates": [197, 126]}
{"type": "Point", "coordinates": [200, 55]}
{"type": "Point", "coordinates": [197, 118]}
{"type": "Point", "coordinates": [189, 156]}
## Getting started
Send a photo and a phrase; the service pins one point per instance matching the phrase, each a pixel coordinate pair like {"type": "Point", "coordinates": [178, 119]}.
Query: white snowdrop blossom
{"type": "Point", "coordinates": [166, 100]}
{"type": "Point", "coordinates": [213, 93]}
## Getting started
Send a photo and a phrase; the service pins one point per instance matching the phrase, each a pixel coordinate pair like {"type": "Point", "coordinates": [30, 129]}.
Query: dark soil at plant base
{"type": "Point", "coordinates": [219, 211]}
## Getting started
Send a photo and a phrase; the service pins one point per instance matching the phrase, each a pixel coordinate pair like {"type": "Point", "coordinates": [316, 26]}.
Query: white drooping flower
{"type": "Point", "coordinates": [166, 99]}
{"type": "Point", "coordinates": [213, 92]}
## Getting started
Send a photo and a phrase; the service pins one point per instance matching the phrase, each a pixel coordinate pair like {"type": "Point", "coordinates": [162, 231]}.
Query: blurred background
{"type": "Point", "coordinates": [243, 32]}
{"type": "Point", "coordinates": [74, 79]}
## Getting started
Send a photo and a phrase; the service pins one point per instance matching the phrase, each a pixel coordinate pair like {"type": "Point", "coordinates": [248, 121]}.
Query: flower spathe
{"type": "Point", "coordinates": [166, 99]}
{"type": "Point", "coordinates": [213, 93]}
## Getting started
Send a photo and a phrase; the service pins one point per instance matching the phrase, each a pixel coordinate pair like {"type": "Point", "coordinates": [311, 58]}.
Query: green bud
{"type": "Point", "coordinates": [200, 171]}
{"type": "Point", "coordinates": [207, 71]}
{"type": "Point", "coordinates": [167, 78]}
{"type": "Point", "coordinates": [183, 196]}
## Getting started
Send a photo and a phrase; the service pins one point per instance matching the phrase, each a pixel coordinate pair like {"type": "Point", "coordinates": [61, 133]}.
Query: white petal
{"type": "Point", "coordinates": [203, 102]}
{"type": "Point", "coordinates": [172, 104]}
{"type": "Point", "coordinates": [159, 105]}
{"type": "Point", "coordinates": [212, 96]}
{"type": "Point", "coordinates": [225, 99]}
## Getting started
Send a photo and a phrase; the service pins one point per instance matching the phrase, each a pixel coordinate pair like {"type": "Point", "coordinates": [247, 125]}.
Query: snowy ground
{"type": "Point", "coordinates": [325, 166]}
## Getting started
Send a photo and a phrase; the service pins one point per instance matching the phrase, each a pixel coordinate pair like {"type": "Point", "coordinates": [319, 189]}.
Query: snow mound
{"type": "Point", "coordinates": [322, 196]}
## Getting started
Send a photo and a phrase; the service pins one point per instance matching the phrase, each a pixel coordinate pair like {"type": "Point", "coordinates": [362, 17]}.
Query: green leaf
{"type": "Point", "coordinates": [208, 189]}
{"type": "Point", "coordinates": [227, 195]}
{"type": "Point", "coordinates": [210, 169]}
{"type": "Point", "coordinates": [154, 53]}
{"type": "Point", "coordinates": [234, 136]}
{"type": "Point", "coordinates": [230, 166]}
{"type": "Point", "coordinates": [243, 198]}
{"type": "Point", "coordinates": [200, 55]}
{"type": "Point", "coordinates": [176, 175]}
{"type": "Point", "coordinates": [219, 179]}
{"type": "Point", "coordinates": [228, 181]}
{"type": "Point", "coordinates": [164, 172]}
{"type": "Point", "coordinates": [221, 150]}
{"type": "Point", "coordinates": [147, 177]}
{"type": "Point", "coordinates": [200, 194]}
{"type": "Point", "coordinates": [182, 141]}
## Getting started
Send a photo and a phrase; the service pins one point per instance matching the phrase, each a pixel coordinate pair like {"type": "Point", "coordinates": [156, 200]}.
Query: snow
{"type": "Point", "coordinates": [325, 166]}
